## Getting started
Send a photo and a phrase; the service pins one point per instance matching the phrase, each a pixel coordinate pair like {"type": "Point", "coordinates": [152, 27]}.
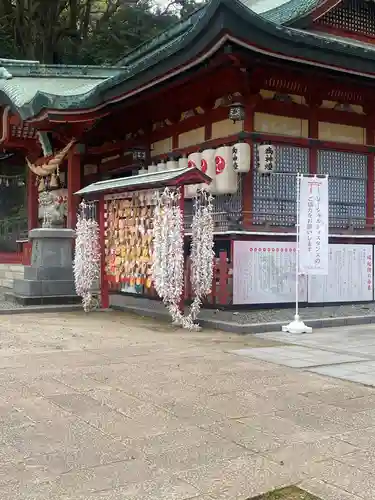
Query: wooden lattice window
{"type": "Point", "coordinates": [347, 185]}
{"type": "Point", "coordinates": [356, 16]}
{"type": "Point", "coordinates": [274, 197]}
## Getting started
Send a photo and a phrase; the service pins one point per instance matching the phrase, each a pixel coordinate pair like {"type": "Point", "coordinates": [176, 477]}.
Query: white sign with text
{"type": "Point", "coordinates": [313, 230]}
{"type": "Point", "coordinates": [264, 273]}
{"type": "Point", "coordinates": [350, 276]}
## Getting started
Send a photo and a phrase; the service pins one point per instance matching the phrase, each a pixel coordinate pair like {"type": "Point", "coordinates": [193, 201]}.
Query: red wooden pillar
{"type": "Point", "coordinates": [370, 202]}
{"type": "Point", "coordinates": [32, 201]}
{"type": "Point", "coordinates": [74, 185]}
{"type": "Point", "coordinates": [104, 289]}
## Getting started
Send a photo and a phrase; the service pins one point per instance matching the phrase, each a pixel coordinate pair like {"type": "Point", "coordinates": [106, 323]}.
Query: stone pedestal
{"type": "Point", "coordinates": [49, 279]}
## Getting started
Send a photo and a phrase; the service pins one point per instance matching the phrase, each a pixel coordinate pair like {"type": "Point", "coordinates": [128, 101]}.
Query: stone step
{"type": "Point", "coordinates": [6, 283]}
{"type": "Point", "coordinates": [62, 300]}
{"type": "Point", "coordinates": [30, 288]}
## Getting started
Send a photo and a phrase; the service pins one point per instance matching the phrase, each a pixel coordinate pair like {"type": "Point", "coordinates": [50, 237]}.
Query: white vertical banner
{"type": "Point", "coordinates": [313, 229]}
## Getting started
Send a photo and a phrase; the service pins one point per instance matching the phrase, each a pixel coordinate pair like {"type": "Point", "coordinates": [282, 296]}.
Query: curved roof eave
{"type": "Point", "coordinates": [224, 20]}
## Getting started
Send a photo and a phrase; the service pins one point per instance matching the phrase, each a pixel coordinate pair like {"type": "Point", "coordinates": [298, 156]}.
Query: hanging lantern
{"type": "Point", "coordinates": [241, 155]}
{"type": "Point", "coordinates": [152, 168]}
{"type": "Point", "coordinates": [194, 161]}
{"type": "Point", "coordinates": [208, 167]}
{"type": "Point", "coordinates": [203, 165]}
{"type": "Point", "coordinates": [236, 112]}
{"type": "Point", "coordinates": [172, 164]}
{"type": "Point", "coordinates": [226, 180]}
{"type": "Point", "coordinates": [266, 159]}
{"type": "Point", "coordinates": [183, 162]}
{"type": "Point", "coordinates": [160, 167]}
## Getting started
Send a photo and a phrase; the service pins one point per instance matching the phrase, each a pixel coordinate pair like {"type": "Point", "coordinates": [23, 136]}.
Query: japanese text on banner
{"type": "Point", "coordinates": [313, 236]}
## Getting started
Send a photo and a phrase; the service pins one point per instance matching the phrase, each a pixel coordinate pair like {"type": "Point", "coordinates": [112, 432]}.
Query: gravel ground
{"type": "Point", "coordinates": [266, 315]}
{"type": "Point", "coordinates": [271, 315]}
{"type": "Point", "coordinates": [249, 316]}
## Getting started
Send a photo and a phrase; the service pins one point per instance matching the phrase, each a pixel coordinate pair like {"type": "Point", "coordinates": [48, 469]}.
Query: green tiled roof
{"type": "Point", "coordinates": [286, 12]}
{"type": "Point", "coordinates": [22, 90]}
{"type": "Point", "coordinates": [23, 82]}
{"type": "Point", "coordinates": [143, 181]}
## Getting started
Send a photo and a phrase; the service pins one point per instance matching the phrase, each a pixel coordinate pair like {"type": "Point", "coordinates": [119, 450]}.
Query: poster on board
{"type": "Point", "coordinates": [313, 220]}
{"type": "Point", "coordinates": [350, 276]}
{"type": "Point", "coordinates": [264, 273]}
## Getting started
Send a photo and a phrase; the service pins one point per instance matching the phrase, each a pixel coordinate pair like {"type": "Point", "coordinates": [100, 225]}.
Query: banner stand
{"type": "Point", "coordinates": [297, 326]}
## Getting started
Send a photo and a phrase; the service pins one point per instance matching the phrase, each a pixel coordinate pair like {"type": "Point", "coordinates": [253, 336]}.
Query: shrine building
{"type": "Point", "coordinates": [297, 75]}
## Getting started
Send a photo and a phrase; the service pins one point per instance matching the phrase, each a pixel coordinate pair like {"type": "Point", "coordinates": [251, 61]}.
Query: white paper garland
{"type": "Point", "coordinates": [201, 255]}
{"type": "Point", "coordinates": [168, 255]}
{"type": "Point", "coordinates": [87, 257]}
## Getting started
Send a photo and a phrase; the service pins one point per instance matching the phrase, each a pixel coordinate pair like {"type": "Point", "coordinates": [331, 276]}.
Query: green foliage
{"type": "Point", "coordinates": [83, 31]}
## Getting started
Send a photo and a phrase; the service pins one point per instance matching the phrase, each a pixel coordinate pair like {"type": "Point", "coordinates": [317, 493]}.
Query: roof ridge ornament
{"type": "Point", "coordinates": [4, 74]}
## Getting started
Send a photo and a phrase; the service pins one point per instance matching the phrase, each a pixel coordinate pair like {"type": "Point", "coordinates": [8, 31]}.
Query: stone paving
{"type": "Point", "coordinates": [113, 407]}
{"type": "Point", "coordinates": [345, 353]}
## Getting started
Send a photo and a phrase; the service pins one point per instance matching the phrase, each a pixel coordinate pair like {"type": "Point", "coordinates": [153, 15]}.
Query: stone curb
{"type": "Point", "coordinates": [247, 328]}
{"type": "Point", "coordinates": [42, 309]}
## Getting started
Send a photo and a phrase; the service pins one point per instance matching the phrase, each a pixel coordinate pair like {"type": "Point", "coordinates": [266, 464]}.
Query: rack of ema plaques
{"type": "Point", "coordinates": [128, 241]}
{"type": "Point", "coordinates": [223, 165]}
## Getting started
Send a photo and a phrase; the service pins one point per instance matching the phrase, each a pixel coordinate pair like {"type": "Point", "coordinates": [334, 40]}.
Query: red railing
{"type": "Point", "coordinates": [22, 256]}
{"type": "Point", "coordinates": [11, 258]}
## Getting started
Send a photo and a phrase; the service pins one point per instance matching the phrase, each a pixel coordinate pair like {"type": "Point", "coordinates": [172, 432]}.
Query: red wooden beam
{"type": "Point", "coordinates": [261, 106]}
{"type": "Point", "coordinates": [304, 82]}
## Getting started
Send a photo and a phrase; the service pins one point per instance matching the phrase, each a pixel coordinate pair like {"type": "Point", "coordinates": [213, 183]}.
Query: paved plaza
{"type": "Point", "coordinates": [347, 353]}
{"type": "Point", "coordinates": [113, 407]}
